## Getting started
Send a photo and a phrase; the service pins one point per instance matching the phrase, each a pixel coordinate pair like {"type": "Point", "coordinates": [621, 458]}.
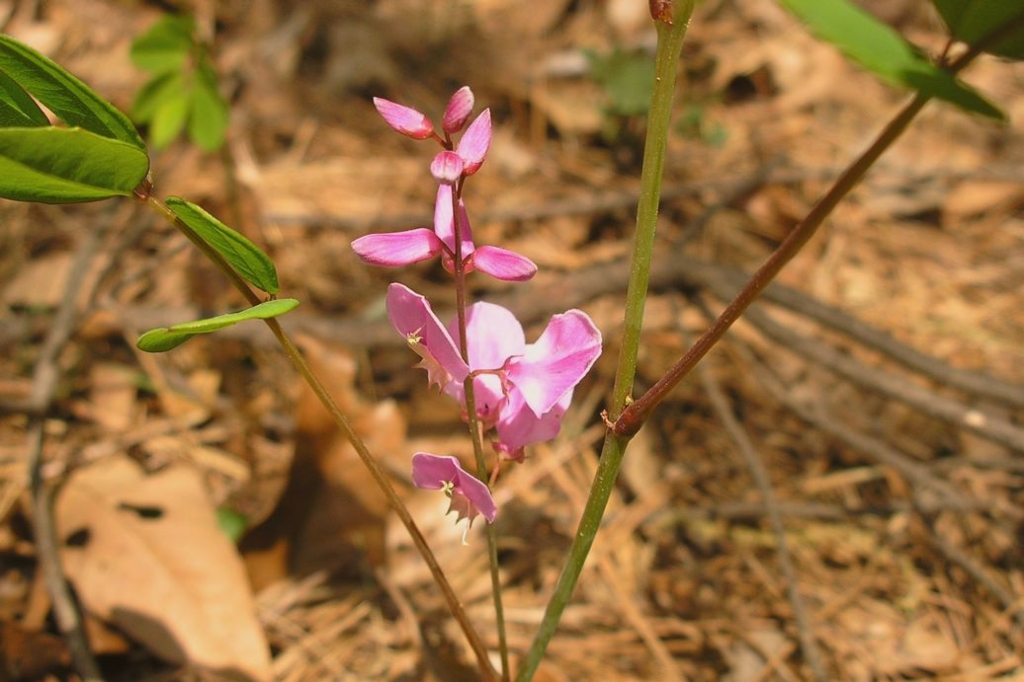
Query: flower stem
{"type": "Point", "coordinates": [300, 364]}
{"type": "Point", "coordinates": [670, 45]}
{"type": "Point", "coordinates": [475, 432]}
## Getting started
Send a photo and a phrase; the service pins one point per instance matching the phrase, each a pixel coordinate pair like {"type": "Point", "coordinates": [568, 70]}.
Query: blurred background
{"type": "Point", "coordinates": [878, 388]}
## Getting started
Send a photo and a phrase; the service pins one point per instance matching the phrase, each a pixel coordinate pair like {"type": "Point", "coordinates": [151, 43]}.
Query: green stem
{"type": "Point", "coordinates": [297, 359]}
{"type": "Point", "coordinates": [670, 45]}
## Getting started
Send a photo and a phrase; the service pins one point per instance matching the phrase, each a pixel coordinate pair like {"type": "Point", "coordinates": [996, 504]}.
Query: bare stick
{"type": "Point", "coordinates": [44, 382]}
{"type": "Point", "coordinates": [929, 402]}
{"type": "Point", "coordinates": [805, 633]}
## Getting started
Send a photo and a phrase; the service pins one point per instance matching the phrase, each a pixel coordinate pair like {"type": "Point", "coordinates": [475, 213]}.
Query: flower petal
{"type": "Point", "coordinates": [494, 335]}
{"type": "Point", "coordinates": [460, 106]}
{"type": "Point", "coordinates": [559, 359]}
{"type": "Point", "coordinates": [475, 142]}
{"type": "Point", "coordinates": [503, 264]}
{"type": "Point", "coordinates": [412, 316]}
{"type": "Point", "coordinates": [405, 120]}
{"type": "Point", "coordinates": [392, 249]}
{"type": "Point", "coordinates": [470, 496]}
{"type": "Point", "coordinates": [519, 426]}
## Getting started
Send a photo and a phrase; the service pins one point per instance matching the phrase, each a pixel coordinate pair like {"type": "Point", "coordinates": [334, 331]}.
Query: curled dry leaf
{"type": "Point", "coordinates": [146, 554]}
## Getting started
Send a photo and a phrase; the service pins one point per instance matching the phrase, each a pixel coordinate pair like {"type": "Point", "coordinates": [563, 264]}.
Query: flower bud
{"type": "Point", "coordinates": [405, 120]}
{"type": "Point", "coordinates": [475, 142]}
{"type": "Point", "coordinates": [460, 106]}
{"type": "Point", "coordinates": [446, 167]}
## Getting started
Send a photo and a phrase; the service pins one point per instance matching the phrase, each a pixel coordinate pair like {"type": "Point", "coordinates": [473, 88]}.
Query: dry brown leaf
{"type": "Point", "coordinates": [146, 554]}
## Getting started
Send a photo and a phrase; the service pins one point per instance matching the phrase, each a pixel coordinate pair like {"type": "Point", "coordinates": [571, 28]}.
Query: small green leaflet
{"type": "Point", "coordinates": [183, 93]}
{"type": "Point", "coordinates": [165, 47]}
{"type": "Point", "coordinates": [165, 338]}
{"type": "Point", "coordinates": [244, 256]}
{"type": "Point", "coordinates": [972, 20]}
{"type": "Point", "coordinates": [67, 165]}
{"type": "Point", "coordinates": [208, 120]}
{"type": "Point", "coordinates": [881, 50]}
{"type": "Point", "coordinates": [69, 98]}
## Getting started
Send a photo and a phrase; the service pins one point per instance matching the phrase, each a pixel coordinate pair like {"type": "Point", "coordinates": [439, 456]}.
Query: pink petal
{"type": "Point", "coordinates": [434, 472]}
{"type": "Point", "coordinates": [392, 249]}
{"type": "Point", "coordinates": [446, 167]}
{"type": "Point", "coordinates": [494, 335]}
{"type": "Point", "coordinates": [411, 315]}
{"type": "Point", "coordinates": [503, 264]}
{"type": "Point", "coordinates": [405, 120]}
{"type": "Point", "coordinates": [559, 359]}
{"type": "Point", "coordinates": [475, 142]}
{"type": "Point", "coordinates": [460, 106]}
{"type": "Point", "coordinates": [519, 426]}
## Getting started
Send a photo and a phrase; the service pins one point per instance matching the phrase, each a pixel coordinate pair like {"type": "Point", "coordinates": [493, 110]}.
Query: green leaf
{"type": "Point", "coordinates": [155, 94]}
{"type": "Point", "coordinates": [247, 259]}
{"type": "Point", "coordinates": [165, 46]}
{"type": "Point", "coordinates": [165, 338]}
{"type": "Point", "coordinates": [880, 49]}
{"type": "Point", "coordinates": [17, 108]}
{"type": "Point", "coordinates": [627, 78]}
{"type": "Point", "coordinates": [972, 20]}
{"type": "Point", "coordinates": [208, 124]}
{"type": "Point", "coordinates": [63, 94]}
{"type": "Point", "coordinates": [169, 120]}
{"type": "Point", "coordinates": [65, 165]}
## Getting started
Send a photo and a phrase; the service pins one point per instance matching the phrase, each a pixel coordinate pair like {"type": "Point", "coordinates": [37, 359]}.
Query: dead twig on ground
{"type": "Point", "coordinates": [958, 556]}
{"type": "Point", "coordinates": [805, 630]}
{"type": "Point", "coordinates": [44, 383]}
{"type": "Point", "coordinates": [898, 388]}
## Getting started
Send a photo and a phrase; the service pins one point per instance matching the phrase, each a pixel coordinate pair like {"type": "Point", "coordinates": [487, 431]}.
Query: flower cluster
{"type": "Point", "coordinates": [521, 390]}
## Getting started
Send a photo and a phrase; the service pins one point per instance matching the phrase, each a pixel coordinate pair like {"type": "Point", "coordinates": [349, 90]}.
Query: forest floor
{"type": "Point", "coordinates": [836, 492]}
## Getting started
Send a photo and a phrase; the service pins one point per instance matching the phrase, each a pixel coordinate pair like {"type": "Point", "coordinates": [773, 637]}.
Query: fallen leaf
{"type": "Point", "coordinates": [145, 554]}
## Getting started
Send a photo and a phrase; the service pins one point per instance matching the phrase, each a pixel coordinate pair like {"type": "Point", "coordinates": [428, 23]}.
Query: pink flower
{"type": "Point", "coordinates": [521, 389]}
{"type": "Point", "coordinates": [469, 496]}
{"type": "Point", "coordinates": [412, 246]}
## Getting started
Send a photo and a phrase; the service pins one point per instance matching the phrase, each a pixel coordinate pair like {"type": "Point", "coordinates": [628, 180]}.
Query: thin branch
{"type": "Point", "coordinates": [876, 450]}
{"type": "Point", "coordinates": [44, 383]}
{"type": "Point", "coordinates": [984, 424]}
{"type": "Point", "coordinates": [977, 572]}
{"type": "Point", "coordinates": [805, 631]}
{"type": "Point", "coordinates": [725, 282]}
{"type": "Point", "coordinates": [836, 512]}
